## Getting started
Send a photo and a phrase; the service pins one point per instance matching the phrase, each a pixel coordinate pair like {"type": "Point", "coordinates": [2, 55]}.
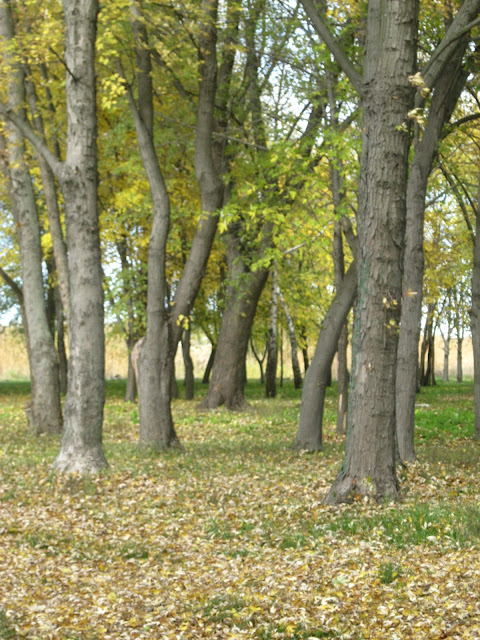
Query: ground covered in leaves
{"type": "Point", "coordinates": [229, 537]}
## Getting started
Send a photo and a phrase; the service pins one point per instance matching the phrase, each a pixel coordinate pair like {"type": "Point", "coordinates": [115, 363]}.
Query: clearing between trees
{"type": "Point", "coordinates": [228, 538]}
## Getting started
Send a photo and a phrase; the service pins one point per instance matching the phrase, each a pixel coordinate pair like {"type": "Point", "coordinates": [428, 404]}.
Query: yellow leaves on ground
{"type": "Point", "coordinates": [228, 539]}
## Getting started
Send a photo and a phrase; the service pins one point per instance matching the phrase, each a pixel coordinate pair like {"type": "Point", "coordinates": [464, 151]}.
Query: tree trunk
{"type": "Point", "coordinates": [306, 361]}
{"type": "Point", "coordinates": [272, 348]}
{"type": "Point", "coordinates": [61, 351]}
{"type": "Point", "coordinates": [309, 434]}
{"type": "Point", "coordinates": [443, 102]}
{"type": "Point", "coordinates": [208, 368]}
{"type": "Point", "coordinates": [343, 378]}
{"type": "Point", "coordinates": [81, 449]}
{"type": "Point", "coordinates": [446, 354]}
{"type": "Point", "coordinates": [131, 390]}
{"type": "Point", "coordinates": [228, 374]}
{"type": "Point", "coordinates": [426, 350]}
{"type": "Point", "coordinates": [297, 374]}
{"type": "Point", "coordinates": [51, 202]}
{"type": "Point", "coordinates": [259, 359]}
{"type": "Point", "coordinates": [188, 363]}
{"type": "Point", "coordinates": [475, 318]}
{"type": "Point", "coordinates": [369, 466]}
{"type": "Point", "coordinates": [155, 355]}
{"type": "Point", "coordinates": [459, 359]}
{"type": "Point", "coordinates": [44, 414]}
{"type": "Point", "coordinates": [339, 266]}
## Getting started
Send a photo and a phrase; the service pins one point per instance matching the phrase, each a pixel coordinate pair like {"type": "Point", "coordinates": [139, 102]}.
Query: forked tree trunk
{"type": "Point", "coordinates": [310, 433]}
{"type": "Point", "coordinates": [44, 413]}
{"type": "Point", "coordinates": [369, 465]}
{"type": "Point", "coordinates": [260, 360]}
{"type": "Point", "coordinates": [154, 357]}
{"type": "Point", "coordinates": [229, 373]}
{"type": "Point", "coordinates": [445, 97]}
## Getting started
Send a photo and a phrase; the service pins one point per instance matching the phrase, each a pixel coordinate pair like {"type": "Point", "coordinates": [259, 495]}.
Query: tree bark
{"type": "Point", "coordinates": [309, 434]}
{"type": "Point", "coordinates": [81, 449]}
{"type": "Point", "coordinates": [61, 351]}
{"type": "Point", "coordinates": [155, 355]}
{"type": "Point", "coordinates": [387, 99]}
{"type": "Point", "coordinates": [369, 465]}
{"type": "Point", "coordinates": [259, 359]}
{"type": "Point", "coordinates": [475, 317]}
{"type": "Point", "coordinates": [444, 99]}
{"type": "Point", "coordinates": [446, 355]}
{"type": "Point", "coordinates": [459, 360]}
{"type": "Point", "coordinates": [297, 374]}
{"type": "Point", "coordinates": [209, 163]}
{"type": "Point", "coordinates": [229, 372]}
{"type": "Point", "coordinates": [188, 363]}
{"type": "Point", "coordinates": [208, 368]}
{"type": "Point", "coordinates": [44, 414]}
{"type": "Point", "coordinates": [51, 201]}
{"type": "Point", "coordinates": [272, 349]}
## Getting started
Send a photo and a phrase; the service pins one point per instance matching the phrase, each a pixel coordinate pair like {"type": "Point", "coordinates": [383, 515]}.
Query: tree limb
{"type": "Point", "coordinates": [334, 47]}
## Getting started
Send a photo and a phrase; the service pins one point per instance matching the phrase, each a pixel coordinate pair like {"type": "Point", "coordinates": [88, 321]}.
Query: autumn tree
{"type": "Point", "coordinates": [81, 449]}
{"type": "Point", "coordinates": [44, 414]}
{"type": "Point", "coordinates": [389, 61]}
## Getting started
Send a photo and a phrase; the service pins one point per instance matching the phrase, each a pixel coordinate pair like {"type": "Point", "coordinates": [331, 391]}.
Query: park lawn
{"type": "Point", "coordinates": [228, 538]}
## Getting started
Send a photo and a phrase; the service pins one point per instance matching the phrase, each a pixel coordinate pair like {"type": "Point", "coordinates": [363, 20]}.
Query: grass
{"type": "Point", "coordinates": [228, 538]}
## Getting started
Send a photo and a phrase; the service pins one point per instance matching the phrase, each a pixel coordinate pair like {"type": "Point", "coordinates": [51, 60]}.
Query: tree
{"type": "Point", "coordinates": [309, 433]}
{"type": "Point", "coordinates": [389, 60]}
{"type": "Point", "coordinates": [448, 87]}
{"type": "Point", "coordinates": [81, 449]}
{"type": "Point", "coordinates": [44, 413]}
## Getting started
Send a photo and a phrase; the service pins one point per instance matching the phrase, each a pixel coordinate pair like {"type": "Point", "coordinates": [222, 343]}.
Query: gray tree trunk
{"type": "Point", "coordinates": [44, 413]}
{"type": "Point", "coordinates": [475, 317]}
{"type": "Point", "coordinates": [208, 368]}
{"type": "Point", "coordinates": [209, 163]}
{"type": "Point", "coordinates": [260, 359]}
{"type": "Point", "coordinates": [446, 357]}
{"type": "Point", "coordinates": [391, 35]}
{"type": "Point", "coordinates": [81, 449]}
{"type": "Point", "coordinates": [154, 361]}
{"type": "Point", "coordinates": [309, 434]}
{"type": "Point", "coordinates": [51, 201]}
{"type": "Point", "coordinates": [369, 465]}
{"type": "Point", "coordinates": [272, 348]}
{"type": "Point", "coordinates": [444, 99]}
{"type": "Point", "coordinates": [229, 373]}
{"type": "Point", "coordinates": [297, 374]}
{"type": "Point", "coordinates": [188, 364]}
{"type": "Point", "coordinates": [460, 359]}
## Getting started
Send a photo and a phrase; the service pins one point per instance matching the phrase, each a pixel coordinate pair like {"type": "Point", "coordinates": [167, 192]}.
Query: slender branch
{"type": "Point", "coordinates": [461, 25]}
{"type": "Point", "coordinates": [62, 60]}
{"type": "Point", "coordinates": [17, 290]}
{"type": "Point", "coordinates": [334, 47]}
{"type": "Point", "coordinates": [454, 183]}
{"type": "Point", "coordinates": [26, 130]}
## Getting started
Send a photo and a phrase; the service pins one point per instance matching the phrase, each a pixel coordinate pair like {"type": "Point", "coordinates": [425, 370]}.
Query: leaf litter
{"type": "Point", "coordinates": [230, 539]}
